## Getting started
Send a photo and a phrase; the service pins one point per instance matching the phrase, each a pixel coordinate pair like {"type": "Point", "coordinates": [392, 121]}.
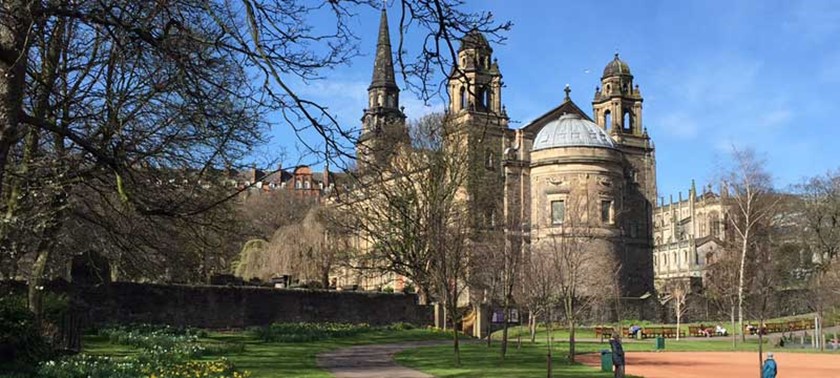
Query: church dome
{"type": "Point", "coordinates": [616, 67]}
{"type": "Point", "coordinates": [571, 130]}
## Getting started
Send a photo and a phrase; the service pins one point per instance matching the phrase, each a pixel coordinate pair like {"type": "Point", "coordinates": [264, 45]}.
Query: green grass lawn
{"type": "Point", "coordinates": [479, 361]}
{"type": "Point", "coordinates": [268, 359]}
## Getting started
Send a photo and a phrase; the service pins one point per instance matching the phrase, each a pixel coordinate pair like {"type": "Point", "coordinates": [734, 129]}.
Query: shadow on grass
{"type": "Point", "coordinates": [479, 361]}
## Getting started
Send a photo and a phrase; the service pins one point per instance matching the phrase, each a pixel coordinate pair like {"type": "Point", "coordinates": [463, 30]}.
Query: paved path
{"type": "Point", "coordinates": [722, 364]}
{"type": "Point", "coordinates": [372, 361]}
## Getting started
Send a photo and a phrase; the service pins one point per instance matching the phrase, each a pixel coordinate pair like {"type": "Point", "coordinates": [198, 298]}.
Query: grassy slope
{"type": "Point", "coordinates": [278, 359]}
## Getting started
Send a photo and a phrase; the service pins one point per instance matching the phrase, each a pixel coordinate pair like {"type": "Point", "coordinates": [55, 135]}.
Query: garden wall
{"type": "Point", "coordinates": [221, 307]}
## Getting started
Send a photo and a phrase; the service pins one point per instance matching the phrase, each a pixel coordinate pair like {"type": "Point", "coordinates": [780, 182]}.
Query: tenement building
{"type": "Point", "coordinates": [566, 172]}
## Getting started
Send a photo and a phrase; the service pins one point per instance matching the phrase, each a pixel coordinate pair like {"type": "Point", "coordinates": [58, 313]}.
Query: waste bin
{"type": "Point", "coordinates": [660, 342]}
{"type": "Point", "coordinates": [606, 360]}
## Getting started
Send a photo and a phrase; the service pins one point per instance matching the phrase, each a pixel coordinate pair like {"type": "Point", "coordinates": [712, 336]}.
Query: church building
{"type": "Point", "coordinates": [567, 169]}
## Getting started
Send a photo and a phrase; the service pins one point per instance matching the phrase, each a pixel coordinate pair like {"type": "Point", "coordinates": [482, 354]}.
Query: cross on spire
{"type": "Point", "coordinates": [567, 90]}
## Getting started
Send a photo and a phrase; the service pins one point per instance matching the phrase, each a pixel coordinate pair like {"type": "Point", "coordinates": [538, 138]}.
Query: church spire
{"type": "Point", "coordinates": [383, 122]}
{"type": "Point", "coordinates": [383, 66]}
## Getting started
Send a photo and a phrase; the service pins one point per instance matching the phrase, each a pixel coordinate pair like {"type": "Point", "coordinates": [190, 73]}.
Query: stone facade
{"type": "Point", "coordinates": [519, 179]}
{"type": "Point", "coordinates": [687, 234]}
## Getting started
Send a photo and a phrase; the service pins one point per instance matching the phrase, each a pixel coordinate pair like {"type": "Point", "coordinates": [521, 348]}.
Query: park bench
{"type": "Point", "coordinates": [603, 332]}
{"type": "Point", "coordinates": [667, 332]}
{"type": "Point", "coordinates": [698, 331]}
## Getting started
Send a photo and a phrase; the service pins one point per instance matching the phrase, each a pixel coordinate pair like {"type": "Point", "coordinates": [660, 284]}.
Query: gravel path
{"type": "Point", "coordinates": [371, 361]}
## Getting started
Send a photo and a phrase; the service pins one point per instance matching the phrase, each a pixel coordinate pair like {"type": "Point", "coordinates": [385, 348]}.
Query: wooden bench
{"type": "Point", "coordinates": [698, 331]}
{"type": "Point", "coordinates": [667, 332]}
{"type": "Point", "coordinates": [603, 332]}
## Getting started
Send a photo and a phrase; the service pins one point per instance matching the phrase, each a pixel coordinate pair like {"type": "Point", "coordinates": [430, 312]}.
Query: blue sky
{"type": "Point", "coordinates": [714, 74]}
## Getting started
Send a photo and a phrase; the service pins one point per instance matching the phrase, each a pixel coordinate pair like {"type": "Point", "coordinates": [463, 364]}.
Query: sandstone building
{"type": "Point", "coordinates": [687, 233]}
{"type": "Point", "coordinates": [564, 170]}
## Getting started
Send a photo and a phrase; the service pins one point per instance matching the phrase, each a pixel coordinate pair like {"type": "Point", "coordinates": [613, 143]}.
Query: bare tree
{"type": "Point", "coordinates": [721, 282]}
{"type": "Point", "coordinates": [114, 96]}
{"type": "Point", "coordinates": [750, 202]}
{"type": "Point", "coordinates": [309, 251]}
{"type": "Point", "coordinates": [821, 217]}
{"type": "Point", "coordinates": [679, 292]}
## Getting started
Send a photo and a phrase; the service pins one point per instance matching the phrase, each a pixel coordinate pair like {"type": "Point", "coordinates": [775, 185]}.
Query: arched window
{"type": "Point", "coordinates": [489, 100]}
{"type": "Point", "coordinates": [298, 184]}
{"type": "Point", "coordinates": [479, 99]}
{"type": "Point", "coordinates": [462, 98]}
{"type": "Point", "coordinates": [607, 120]}
{"type": "Point", "coordinates": [628, 121]}
{"type": "Point", "coordinates": [489, 161]}
{"type": "Point", "coordinates": [307, 184]}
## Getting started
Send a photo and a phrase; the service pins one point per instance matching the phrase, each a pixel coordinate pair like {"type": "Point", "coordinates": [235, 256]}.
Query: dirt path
{"type": "Point", "coordinates": [371, 361]}
{"type": "Point", "coordinates": [723, 364]}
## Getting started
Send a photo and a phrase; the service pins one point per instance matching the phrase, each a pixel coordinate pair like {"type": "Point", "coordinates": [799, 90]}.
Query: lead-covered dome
{"type": "Point", "coordinates": [616, 67]}
{"type": "Point", "coordinates": [571, 130]}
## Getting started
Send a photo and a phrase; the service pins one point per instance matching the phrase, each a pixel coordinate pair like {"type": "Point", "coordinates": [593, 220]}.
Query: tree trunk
{"type": "Point", "coordinates": [15, 24]}
{"type": "Point", "coordinates": [760, 346]}
{"type": "Point", "coordinates": [488, 328]}
{"type": "Point", "coordinates": [548, 342]}
{"type": "Point", "coordinates": [532, 325]}
{"type": "Point", "coordinates": [36, 285]}
{"type": "Point", "coordinates": [679, 318]}
{"type": "Point", "coordinates": [456, 346]}
{"type": "Point", "coordinates": [741, 284]}
{"type": "Point", "coordinates": [732, 317]}
{"type": "Point", "coordinates": [505, 316]}
{"type": "Point", "coordinates": [572, 340]}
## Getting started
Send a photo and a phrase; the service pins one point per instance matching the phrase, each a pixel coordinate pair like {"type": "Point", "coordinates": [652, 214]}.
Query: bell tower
{"type": "Point", "coordinates": [617, 106]}
{"type": "Point", "coordinates": [475, 85]}
{"type": "Point", "coordinates": [480, 127]}
{"type": "Point", "coordinates": [383, 122]}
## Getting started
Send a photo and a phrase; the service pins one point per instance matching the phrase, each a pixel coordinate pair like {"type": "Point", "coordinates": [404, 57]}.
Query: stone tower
{"type": "Point", "coordinates": [383, 122]}
{"type": "Point", "coordinates": [617, 108]}
{"type": "Point", "coordinates": [480, 126]}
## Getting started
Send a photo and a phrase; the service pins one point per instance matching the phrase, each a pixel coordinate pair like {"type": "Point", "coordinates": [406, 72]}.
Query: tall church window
{"type": "Point", "coordinates": [607, 120]}
{"type": "Point", "coordinates": [628, 121]}
{"type": "Point", "coordinates": [489, 100]}
{"type": "Point", "coordinates": [606, 210]}
{"type": "Point", "coordinates": [558, 212]}
{"type": "Point", "coordinates": [462, 98]}
{"type": "Point", "coordinates": [489, 161]}
{"type": "Point", "coordinates": [480, 99]}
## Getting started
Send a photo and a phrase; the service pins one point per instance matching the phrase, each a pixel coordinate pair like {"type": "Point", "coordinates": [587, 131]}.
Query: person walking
{"type": "Point", "coordinates": [769, 369]}
{"type": "Point", "coordinates": [617, 355]}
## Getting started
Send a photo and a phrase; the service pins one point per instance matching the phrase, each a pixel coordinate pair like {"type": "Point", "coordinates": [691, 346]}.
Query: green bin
{"type": "Point", "coordinates": [606, 360]}
{"type": "Point", "coordinates": [660, 342]}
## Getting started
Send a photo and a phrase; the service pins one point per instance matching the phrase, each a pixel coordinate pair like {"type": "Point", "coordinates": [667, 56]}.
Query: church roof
{"type": "Point", "coordinates": [383, 65]}
{"type": "Point", "coordinates": [572, 130]}
{"type": "Point", "coordinates": [616, 67]}
{"type": "Point", "coordinates": [474, 39]}
{"type": "Point", "coordinates": [567, 107]}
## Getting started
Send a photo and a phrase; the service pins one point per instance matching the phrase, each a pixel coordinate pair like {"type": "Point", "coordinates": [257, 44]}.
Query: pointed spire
{"type": "Point", "coordinates": [383, 66]}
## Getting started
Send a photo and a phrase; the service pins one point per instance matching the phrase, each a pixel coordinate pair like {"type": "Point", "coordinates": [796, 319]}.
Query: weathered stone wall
{"type": "Point", "coordinates": [219, 307]}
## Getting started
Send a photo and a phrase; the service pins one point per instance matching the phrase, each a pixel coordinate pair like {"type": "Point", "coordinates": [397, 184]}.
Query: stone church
{"type": "Point", "coordinates": [565, 169]}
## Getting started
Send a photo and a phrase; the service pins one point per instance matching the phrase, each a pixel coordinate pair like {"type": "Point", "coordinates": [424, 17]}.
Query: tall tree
{"type": "Point", "coordinates": [750, 202]}
{"type": "Point", "coordinates": [114, 96]}
{"type": "Point", "coordinates": [821, 217]}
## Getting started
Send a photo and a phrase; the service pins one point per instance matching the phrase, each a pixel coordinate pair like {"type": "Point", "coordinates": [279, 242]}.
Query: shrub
{"type": "Point", "coordinates": [84, 366]}
{"type": "Point", "coordinates": [304, 332]}
{"type": "Point", "coordinates": [20, 341]}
